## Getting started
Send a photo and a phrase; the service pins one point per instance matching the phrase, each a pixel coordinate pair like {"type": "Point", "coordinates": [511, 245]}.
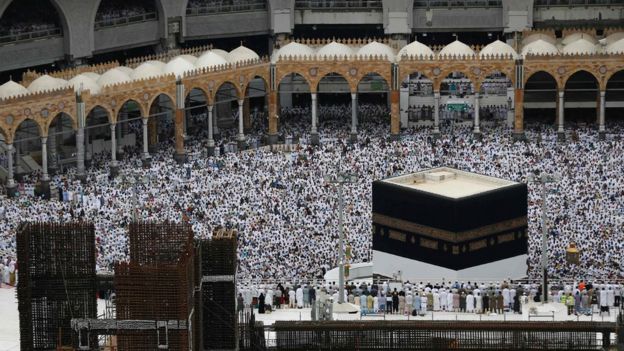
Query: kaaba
{"type": "Point", "coordinates": [446, 223]}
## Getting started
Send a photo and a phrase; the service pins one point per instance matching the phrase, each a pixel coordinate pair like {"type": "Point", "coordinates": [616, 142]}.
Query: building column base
{"type": "Point", "coordinates": [146, 162]}
{"type": "Point", "coordinates": [210, 150]}
{"type": "Point", "coordinates": [114, 171]}
{"type": "Point", "coordinates": [315, 138]}
{"type": "Point", "coordinates": [436, 135]}
{"type": "Point", "coordinates": [272, 139]}
{"type": "Point", "coordinates": [11, 191]}
{"type": "Point", "coordinates": [45, 189]}
{"type": "Point", "coordinates": [180, 158]}
{"type": "Point", "coordinates": [477, 136]}
{"type": "Point", "coordinates": [353, 137]}
{"type": "Point", "coordinates": [602, 135]}
{"type": "Point", "coordinates": [519, 136]}
{"type": "Point", "coordinates": [242, 145]}
{"type": "Point", "coordinates": [395, 137]}
{"type": "Point", "coordinates": [561, 136]}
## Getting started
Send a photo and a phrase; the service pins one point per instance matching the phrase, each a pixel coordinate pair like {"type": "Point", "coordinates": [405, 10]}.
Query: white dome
{"type": "Point", "coordinates": [190, 58]}
{"type": "Point", "coordinates": [221, 53]}
{"type": "Point", "coordinates": [242, 53]}
{"type": "Point", "coordinates": [535, 37]}
{"type": "Point", "coordinates": [615, 47]}
{"type": "Point", "coordinates": [539, 47]}
{"type": "Point", "coordinates": [157, 63]}
{"type": "Point", "coordinates": [210, 59]}
{"type": "Point", "coordinates": [126, 70]}
{"type": "Point", "coordinates": [576, 36]}
{"type": "Point", "coordinates": [379, 49]}
{"type": "Point", "coordinates": [45, 83]}
{"type": "Point", "coordinates": [498, 48]}
{"type": "Point", "coordinates": [294, 49]}
{"type": "Point", "coordinates": [11, 88]}
{"type": "Point", "coordinates": [113, 76]}
{"type": "Point", "coordinates": [178, 66]}
{"type": "Point", "coordinates": [580, 47]}
{"type": "Point", "coordinates": [333, 49]}
{"type": "Point", "coordinates": [615, 37]}
{"type": "Point", "coordinates": [85, 82]}
{"type": "Point", "coordinates": [146, 70]}
{"type": "Point", "coordinates": [457, 48]}
{"type": "Point", "coordinates": [92, 75]}
{"type": "Point", "coordinates": [416, 49]}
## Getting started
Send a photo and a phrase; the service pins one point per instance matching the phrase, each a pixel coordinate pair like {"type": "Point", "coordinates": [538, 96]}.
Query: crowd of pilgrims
{"type": "Point", "coordinates": [287, 217]}
{"type": "Point", "coordinates": [418, 298]}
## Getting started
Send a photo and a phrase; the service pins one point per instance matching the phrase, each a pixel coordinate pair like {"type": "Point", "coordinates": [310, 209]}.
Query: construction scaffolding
{"type": "Point", "coordinates": [218, 291]}
{"type": "Point", "coordinates": [57, 282]}
{"type": "Point", "coordinates": [155, 287]}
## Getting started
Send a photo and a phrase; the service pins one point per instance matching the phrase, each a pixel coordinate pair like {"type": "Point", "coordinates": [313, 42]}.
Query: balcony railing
{"type": "Point", "coordinates": [144, 17]}
{"type": "Point", "coordinates": [547, 3]}
{"type": "Point", "coordinates": [457, 3]}
{"type": "Point", "coordinates": [338, 4]}
{"type": "Point", "coordinates": [34, 35]}
{"type": "Point", "coordinates": [259, 5]}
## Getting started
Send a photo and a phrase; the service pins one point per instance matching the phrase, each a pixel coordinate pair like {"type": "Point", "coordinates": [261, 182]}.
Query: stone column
{"type": "Point", "coordinates": [273, 117]}
{"type": "Point", "coordinates": [560, 117]}
{"type": "Point", "coordinates": [211, 143]}
{"type": "Point", "coordinates": [518, 114]}
{"type": "Point", "coordinates": [45, 179]}
{"type": "Point", "coordinates": [314, 135]}
{"type": "Point", "coordinates": [80, 141]}
{"type": "Point", "coordinates": [146, 159]}
{"type": "Point", "coordinates": [241, 127]}
{"type": "Point", "coordinates": [601, 115]}
{"type": "Point", "coordinates": [395, 114]}
{"type": "Point", "coordinates": [114, 168]}
{"type": "Point", "coordinates": [436, 113]}
{"type": "Point", "coordinates": [10, 186]}
{"type": "Point", "coordinates": [477, 129]}
{"type": "Point", "coordinates": [354, 117]}
{"type": "Point", "coordinates": [180, 153]}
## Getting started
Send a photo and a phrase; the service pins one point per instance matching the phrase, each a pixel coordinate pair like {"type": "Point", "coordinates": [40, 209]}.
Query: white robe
{"type": "Point", "coordinates": [436, 301]}
{"type": "Point", "coordinates": [300, 298]}
{"type": "Point", "coordinates": [479, 303]}
{"type": "Point", "coordinates": [470, 303]}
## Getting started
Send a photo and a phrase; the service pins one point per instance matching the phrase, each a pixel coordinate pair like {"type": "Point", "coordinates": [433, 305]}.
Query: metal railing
{"type": "Point", "coordinates": [256, 5]}
{"type": "Point", "coordinates": [457, 3]}
{"type": "Point", "coordinates": [542, 3]}
{"type": "Point", "coordinates": [34, 35]}
{"type": "Point", "coordinates": [337, 4]}
{"type": "Point", "coordinates": [144, 17]}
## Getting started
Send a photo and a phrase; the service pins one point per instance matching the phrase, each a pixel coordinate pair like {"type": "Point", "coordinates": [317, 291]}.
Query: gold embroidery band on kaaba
{"type": "Point", "coordinates": [454, 237]}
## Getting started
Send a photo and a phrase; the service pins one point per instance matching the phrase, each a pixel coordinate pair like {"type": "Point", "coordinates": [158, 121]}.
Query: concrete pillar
{"type": "Point", "coordinates": [45, 179]}
{"type": "Point", "coordinates": [518, 114]}
{"type": "Point", "coordinates": [477, 129]}
{"type": "Point", "coordinates": [114, 168]}
{"type": "Point", "coordinates": [10, 186]}
{"type": "Point", "coordinates": [395, 114]}
{"type": "Point", "coordinates": [146, 159]}
{"type": "Point", "coordinates": [354, 117]}
{"type": "Point", "coordinates": [180, 153]}
{"type": "Point", "coordinates": [80, 141]}
{"type": "Point", "coordinates": [241, 126]}
{"type": "Point", "coordinates": [436, 113]}
{"type": "Point", "coordinates": [314, 136]}
{"type": "Point", "coordinates": [560, 117]}
{"type": "Point", "coordinates": [273, 117]}
{"type": "Point", "coordinates": [211, 143]}
{"type": "Point", "coordinates": [601, 116]}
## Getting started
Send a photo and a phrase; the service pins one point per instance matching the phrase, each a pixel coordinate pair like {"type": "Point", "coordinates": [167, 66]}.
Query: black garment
{"type": "Point", "coordinates": [395, 302]}
{"type": "Point", "coordinates": [486, 302]}
{"type": "Point", "coordinates": [261, 304]}
{"type": "Point", "coordinates": [516, 304]}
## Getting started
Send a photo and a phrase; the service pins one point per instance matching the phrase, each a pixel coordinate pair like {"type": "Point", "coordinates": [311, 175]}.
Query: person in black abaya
{"type": "Point", "coordinates": [261, 306]}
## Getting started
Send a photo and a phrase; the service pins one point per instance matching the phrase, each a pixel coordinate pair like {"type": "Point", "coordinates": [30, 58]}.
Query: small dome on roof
{"type": "Point", "coordinates": [415, 49]}
{"type": "Point", "coordinates": [334, 49]}
{"type": "Point", "coordinates": [210, 59]}
{"type": "Point", "coordinates": [379, 49]}
{"type": "Point", "coordinates": [456, 48]}
{"type": "Point", "coordinates": [178, 66]}
{"type": "Point", "coordinates": [221, 53]}
{"type": "Point", "coordinates": [126, 70]}
{"type": "Point", "coordinates": [146, 70]}
{"type": "Point", "coordinates": [157, 63]}
{"type": "Point", "coordinates": [498, 48]}
{"type": "Point", "coordinates": [580, 47]}
{"type": "Point", "coordinates": [113, 76]}
{"type": "Point", "coordinates": [576, 36]}
{"type": "Point", "coordinates": [45, 83]}
{"type": "Point", "coordinates": [293, 49]}
{"type": "Point", "coordinates": [242, 53]}
{"type": "Point", "coordinates": [615, 37]}
{"type": "Point", "coordinates": [92, 75]}
{"type": "Point", "coordinates": [11, 88]}
{"type": "Point", "coordinates": [85, 82]}
{"type": "Point", "coordinates": [615, 47]}
{"type": "Point", "coordinates": [539, 36]}
{"type": "Point", "coordinates": [539, 47]}
{"type": "Point", "coordinates": [190, 58]}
